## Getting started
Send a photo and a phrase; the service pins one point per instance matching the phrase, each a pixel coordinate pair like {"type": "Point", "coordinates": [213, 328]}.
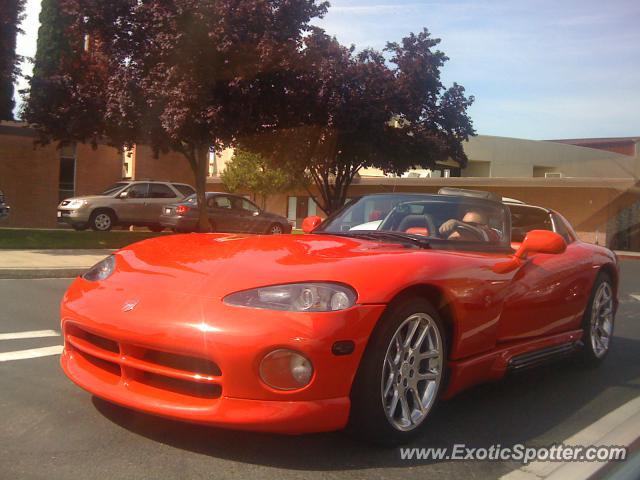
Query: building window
{"type": "Point", "coordinates": [213, 167]}
{"type": "Point", "coordinates": [298, 208]}
{"type": "Point", "coordinates": [127, 163]}
{"type": "Point", "coordinates": [67, 175]}
{"type": "Point", "coordinates": [540, 171]}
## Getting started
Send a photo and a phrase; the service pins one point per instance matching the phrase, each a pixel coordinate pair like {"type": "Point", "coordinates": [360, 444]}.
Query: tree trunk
{"type": "Point", "coordinates": [201, 171]}
{"type": "Point", "coordinates": [333, 195]}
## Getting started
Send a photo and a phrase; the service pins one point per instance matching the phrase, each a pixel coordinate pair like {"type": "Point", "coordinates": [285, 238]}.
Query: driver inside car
{"type": "Point", "coordinates": [473, 227]}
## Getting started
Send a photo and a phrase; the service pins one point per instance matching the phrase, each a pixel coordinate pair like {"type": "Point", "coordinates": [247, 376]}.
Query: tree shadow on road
{"type": "Point", "coordinates": [518, 409]}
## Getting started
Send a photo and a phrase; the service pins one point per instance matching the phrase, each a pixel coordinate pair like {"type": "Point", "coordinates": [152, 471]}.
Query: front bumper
{"type": "Point", "coordinates": [234, 339]}
{"type": "Point", "coordinates": [239, 414]}
{"type": "Point", "coordinates": [71, 217]}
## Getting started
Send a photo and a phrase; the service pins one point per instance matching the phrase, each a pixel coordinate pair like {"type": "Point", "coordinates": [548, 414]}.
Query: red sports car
{"type": "Point", "coordinates": [392, 303]}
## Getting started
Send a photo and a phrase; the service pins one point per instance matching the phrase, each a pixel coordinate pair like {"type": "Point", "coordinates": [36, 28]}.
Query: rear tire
{"type": "Point", "coordinates": [275, 229]}
{"type": "Point", "coordinates": [401, 374]}
{"type": "Point", "coordinates": [102, 220]}
{"type": "Point", "coordinates": [598, 323]}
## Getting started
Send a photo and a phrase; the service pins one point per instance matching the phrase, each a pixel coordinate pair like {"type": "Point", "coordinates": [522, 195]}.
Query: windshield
{"type": "Point", "coordinates": [114, 188]}
{"type": "Point", "coordinates": [433, 217]}
{"type": "Point", "coordinates": [194, 198]}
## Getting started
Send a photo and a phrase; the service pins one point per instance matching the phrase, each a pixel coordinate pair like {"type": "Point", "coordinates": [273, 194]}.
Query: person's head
{"type": "Point", "coordinates": [475, 216]}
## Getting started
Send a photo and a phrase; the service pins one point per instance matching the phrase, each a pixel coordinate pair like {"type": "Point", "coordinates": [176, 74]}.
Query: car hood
{"type": "Point", "coordinates": [86, 197]}
{"type": "Point", "coordinates": [220, 264]}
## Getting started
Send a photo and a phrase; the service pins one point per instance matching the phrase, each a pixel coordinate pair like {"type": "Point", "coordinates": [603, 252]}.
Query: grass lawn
{"type": "Point", "coordinates": [36, 239]}
{"type": "Point", "coordinates": [41, 239]}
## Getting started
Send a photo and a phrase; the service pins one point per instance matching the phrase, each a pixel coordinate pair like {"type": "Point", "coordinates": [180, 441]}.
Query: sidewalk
{"type": "Point", "coordinates": [48, 263]}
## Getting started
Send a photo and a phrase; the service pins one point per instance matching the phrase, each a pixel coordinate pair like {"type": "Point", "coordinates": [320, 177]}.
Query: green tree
{"type": "Point", "coordinates": [248, 171]}
{"type": "Point", "coordinates": [54, 41]}
{"type": "Point", "coordinates": [11, 15]}
{"type": "Point", "coordinates": [352, 110]}
{"type": "Point", "coordinates": [47, 99]}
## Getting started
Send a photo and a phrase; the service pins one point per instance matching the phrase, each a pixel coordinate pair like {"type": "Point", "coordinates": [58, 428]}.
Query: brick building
{"type": "Point", "coordinates": [593, 182]}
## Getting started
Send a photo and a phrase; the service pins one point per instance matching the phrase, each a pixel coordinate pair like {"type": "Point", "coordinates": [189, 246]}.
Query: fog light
{"type": "Point", "coordinates": [286, 370]}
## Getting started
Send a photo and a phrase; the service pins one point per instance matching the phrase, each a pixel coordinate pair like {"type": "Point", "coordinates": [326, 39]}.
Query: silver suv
{"type": "Point", "coordinates": [136, 203]}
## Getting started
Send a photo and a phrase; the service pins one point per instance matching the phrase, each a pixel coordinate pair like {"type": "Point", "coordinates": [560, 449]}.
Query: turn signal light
{"type": "Point", "coordinates": [182, 209]}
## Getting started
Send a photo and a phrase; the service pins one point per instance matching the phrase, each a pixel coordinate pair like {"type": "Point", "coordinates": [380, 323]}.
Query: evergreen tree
{"type": "Point", "coordinates": [11, 14]}
{"type": "Point", "coordinates": [56, 50]}
{"type": "Point", "coordinates": [53, 39]}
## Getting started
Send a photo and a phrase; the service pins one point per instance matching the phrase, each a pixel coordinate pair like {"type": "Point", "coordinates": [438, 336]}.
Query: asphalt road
{"type": "Point", "coordinates": [52, 429]}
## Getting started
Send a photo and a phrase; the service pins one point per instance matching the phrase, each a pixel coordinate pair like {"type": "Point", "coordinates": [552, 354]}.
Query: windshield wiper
{"type": "Point", "coordinates": [379, 234]}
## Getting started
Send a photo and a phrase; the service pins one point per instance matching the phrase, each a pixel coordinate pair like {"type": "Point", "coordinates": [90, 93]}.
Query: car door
{"type": "Point", "coordinates": [546, 295]}
{"type": "Point", "coordinates": [249, 217]}
{"type": "Point", "coordinates": [221, 213]}
{"type": "Point", "coordinates": [131, 208]}
{"type": "Point", "coordinates": [159, 195]}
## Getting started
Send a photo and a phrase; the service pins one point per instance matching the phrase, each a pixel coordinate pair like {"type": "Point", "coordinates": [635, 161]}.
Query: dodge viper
{"type": "Point", "coordinates": [355, 327]}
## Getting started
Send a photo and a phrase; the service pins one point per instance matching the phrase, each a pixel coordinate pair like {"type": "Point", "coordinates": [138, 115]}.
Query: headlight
{"type": "Point", "coordinates": [101, 270]}
{"type": "Point", "coordinates": [76, 203]}
{"type": "Point", "coordinates": [297, 297]}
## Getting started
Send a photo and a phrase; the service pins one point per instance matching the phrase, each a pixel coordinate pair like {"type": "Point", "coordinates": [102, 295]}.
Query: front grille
{"type": "Point", "coordinates": [148, 371]}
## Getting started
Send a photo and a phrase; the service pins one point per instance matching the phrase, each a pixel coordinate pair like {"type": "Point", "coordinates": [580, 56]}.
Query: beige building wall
{"type": "Point", "coordinates": [502, 157]}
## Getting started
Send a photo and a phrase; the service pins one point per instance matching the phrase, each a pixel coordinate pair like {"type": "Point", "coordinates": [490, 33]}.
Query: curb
{"type": "Point", "coordinates": [628, 257]}
{"type": "Point", "coordinates": [29, 273]}
{"type": "Point", "coordinates": [619, 428]}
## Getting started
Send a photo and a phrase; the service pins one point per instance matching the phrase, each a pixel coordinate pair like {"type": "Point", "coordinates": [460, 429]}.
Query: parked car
{"type": "Point", "coordinates": [4, 208]}
{"type": "Point", "coordinates": [339, 327]}
{"type": "Point", "coordinates": [136, 203]}
{"type": "Point", "coordinates": [226, 212]}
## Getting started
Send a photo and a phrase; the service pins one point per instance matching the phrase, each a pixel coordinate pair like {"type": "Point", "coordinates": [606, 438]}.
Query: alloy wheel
{"type": "Point", "coordinates": [275, 230]}
{"type": "Point", "coordinates": [602, 319]}
{"type": "Point", "coordinates": [102, 221]}
{"type": "Point", "coordinates": [412, 372]}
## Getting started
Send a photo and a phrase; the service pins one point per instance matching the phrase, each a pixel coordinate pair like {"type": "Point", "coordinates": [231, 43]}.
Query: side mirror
{"type": "Point", "coordinates": [311, 223]}
{"type": "Point", "coordinates": [123, 195]}
{"type": "Point", "coordinates": [541, 241]}
{"type": "Point", "coordinates": [536, 241]}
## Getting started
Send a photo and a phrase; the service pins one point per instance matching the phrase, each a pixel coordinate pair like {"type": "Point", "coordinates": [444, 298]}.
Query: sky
{"type": "Point", "coordinates": [539, 69]}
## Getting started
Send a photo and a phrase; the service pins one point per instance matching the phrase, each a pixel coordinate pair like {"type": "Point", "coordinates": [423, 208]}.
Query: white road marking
{"type": "Point", "coordinates": [31, 334]}
{"type": "Point", "coordinates": [635, 297]}
{"type": "Point", "coordinates": [31, 353]}
{"type": "Point", "coordinates": [620, 427]}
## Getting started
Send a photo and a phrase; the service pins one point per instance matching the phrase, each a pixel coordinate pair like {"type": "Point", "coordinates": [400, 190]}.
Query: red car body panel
{"type": "Point", "coordinates": [178, 284]}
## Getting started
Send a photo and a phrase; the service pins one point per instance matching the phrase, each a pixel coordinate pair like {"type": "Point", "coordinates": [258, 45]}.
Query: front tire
{"type": "Point", "coordinates": [401, 374]}
{"type": "Point", "coordinates": [102, 220]}
{"type": "Point", "coordinates": [80, 227]}
{"type": "Point", "coordinates": [597, 323]}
